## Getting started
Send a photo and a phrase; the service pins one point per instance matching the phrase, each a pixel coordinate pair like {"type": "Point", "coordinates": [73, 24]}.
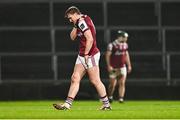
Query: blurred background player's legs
{"type": "Point", "coordinates": [121, 89]}
{"type": "Point", "coordinates": [111, 88]}
{"type": "Point", "coordinates": [122, 85]}
{"type": "Point", "coordinates": [112, 83]}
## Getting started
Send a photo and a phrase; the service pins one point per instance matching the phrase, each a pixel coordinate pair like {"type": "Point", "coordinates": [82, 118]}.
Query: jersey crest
{"type": "Point", "coordinates": [83, 26]}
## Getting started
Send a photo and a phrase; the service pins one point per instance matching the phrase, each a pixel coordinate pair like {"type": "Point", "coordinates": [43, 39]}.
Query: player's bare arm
{"type": "Point", "coordinates": [89, 42]}
{"type": "Point", "coordinates": [73, 34]}
{"type": "Point", "coordinates": [107, 56]}
{"type": "Point", "coordinates": [128, 62]}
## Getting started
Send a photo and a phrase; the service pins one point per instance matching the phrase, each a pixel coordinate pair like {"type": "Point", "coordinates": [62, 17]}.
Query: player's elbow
{"type": "Point", "coordinates": [73, 37]}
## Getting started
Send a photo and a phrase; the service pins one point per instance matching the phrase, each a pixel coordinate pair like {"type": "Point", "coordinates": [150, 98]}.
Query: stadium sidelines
{"type": "Point", "coordinates": [87, 110]}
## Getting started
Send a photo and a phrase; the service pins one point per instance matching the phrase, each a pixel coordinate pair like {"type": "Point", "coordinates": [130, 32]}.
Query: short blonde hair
{"type": "Point", "coordinates": [72, 10]}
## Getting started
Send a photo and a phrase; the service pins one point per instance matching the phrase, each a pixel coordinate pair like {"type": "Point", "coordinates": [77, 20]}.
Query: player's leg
{"type": "Point", "coordinates": [94, 76]}
{"type": "Point", "coordinates": [112, 85]}
{"type": "Point", "coordinates": [76, 77]}
{"type": "Point", "coordinates": [122, 84]}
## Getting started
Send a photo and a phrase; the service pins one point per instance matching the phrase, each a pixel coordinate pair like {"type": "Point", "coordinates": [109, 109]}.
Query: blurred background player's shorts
{"type": "Point", "coordinates": [118, 72]}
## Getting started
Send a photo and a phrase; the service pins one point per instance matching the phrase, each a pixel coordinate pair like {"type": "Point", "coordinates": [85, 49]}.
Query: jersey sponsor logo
{"type": "Point", "coordinates": [82, 25]}
{"type": "Point", "coordinates": [120, 53]}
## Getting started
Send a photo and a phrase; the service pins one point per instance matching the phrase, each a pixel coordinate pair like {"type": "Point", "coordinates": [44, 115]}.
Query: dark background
{"type": "Point", "coordinates": [37, 56]}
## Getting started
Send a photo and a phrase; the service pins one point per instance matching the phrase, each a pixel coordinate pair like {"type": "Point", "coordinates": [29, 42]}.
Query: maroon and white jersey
{"type": "Point", "coordinates": [83, 25]}
{"type": "Point", "coordinates": [118, 56]}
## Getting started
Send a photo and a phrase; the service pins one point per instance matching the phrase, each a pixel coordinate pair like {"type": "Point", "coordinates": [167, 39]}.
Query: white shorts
{"type": "Point", "coordinates": [116, 73]}
{"type": "Point", "coordinates": [92, 60]}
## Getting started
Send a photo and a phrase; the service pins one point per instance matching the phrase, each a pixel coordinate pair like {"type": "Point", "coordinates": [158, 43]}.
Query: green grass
{"type": "Point", "coordinates": [89, 110]}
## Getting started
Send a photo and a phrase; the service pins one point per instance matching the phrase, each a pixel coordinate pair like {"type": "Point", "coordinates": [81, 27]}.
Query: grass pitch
{"type": "Point", "coordinates": [89, 110]}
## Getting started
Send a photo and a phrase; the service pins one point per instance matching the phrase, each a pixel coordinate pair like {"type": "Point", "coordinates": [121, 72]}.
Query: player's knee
{"type": "Point", "coordinates": [75, 78]}
{"type": "Point", "coordinates": [122, 83]}
{"type": "Point", "coordinates": [111, 86]}
{"type": "Point", "coordinates": [114, 84]}
{"type": "Point", "coordinates": [95, 82]}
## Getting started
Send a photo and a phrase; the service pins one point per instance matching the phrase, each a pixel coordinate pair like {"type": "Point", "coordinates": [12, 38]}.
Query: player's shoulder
{"type": "Point", "coordinates": [81, 20]}
{"type": "Point", "coordinates": [126, 44]}
{"type": "Point", "coordinates": [115, 42]}
{"type": "Point", "coordinates": [82, 23]}
{"type": "Point", "coordinates": [110, 45]}
{"type": "Point", "coordinates": [85, 18]}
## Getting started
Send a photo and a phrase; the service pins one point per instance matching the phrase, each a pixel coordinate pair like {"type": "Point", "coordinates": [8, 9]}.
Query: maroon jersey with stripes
{"type": "Point", "coordinates": [83, 25]}
{"type": "Point", "coordinates": [118, 56]}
